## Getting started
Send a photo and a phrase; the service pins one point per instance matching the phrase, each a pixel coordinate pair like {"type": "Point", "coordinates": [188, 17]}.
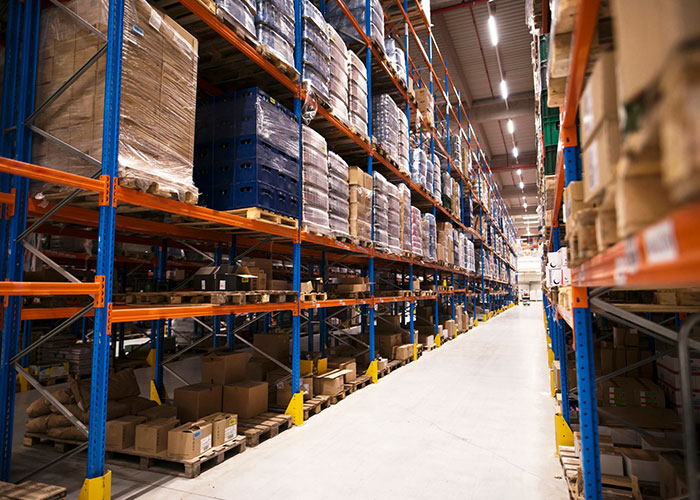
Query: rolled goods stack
{"type": "Point", "coordinates": [337, 18]}
{"type": "Point", "coordinates": [158, 100]}
{"type": "Point", "coordinates": [338, 83]}
{"type": "Point", "coordinates": [274, 24]}
{"type": "Point", "coordinates": [252, 161]}
{"type": "Point", "coordinates": [416, 232]}
{"type": "Point", "coordinates": [405, 199]}
{"type": "Point", "coordinates": [316, 63]}
{"type": "Point", "coordinates": [315, 182]}
{"type": "Point", "coordinates": [338, 195]}
{"type": "Point", "coordinates": [241, 13]}
{"type": "Point", "coordinates": [357, 93]}
{"type": "Point", "coordinates": [386, 123]}
{"type": "Point", "coordinates": [394, 218]}
{"type": "Point", "coordinates": [381, 212]}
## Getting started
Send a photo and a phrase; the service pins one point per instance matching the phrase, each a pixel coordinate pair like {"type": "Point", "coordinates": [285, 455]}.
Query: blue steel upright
{"type": "Point", "coordinates": [105, 244]}
{"type": "Point", "coordinates": [23, 39]}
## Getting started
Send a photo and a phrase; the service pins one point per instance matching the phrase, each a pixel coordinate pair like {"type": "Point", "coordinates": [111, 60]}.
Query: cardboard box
{"type": "Point", "coordinates": [224, 427]}
{"type": "Point", "coordinates": [247, 399]}
{"type": "Point", "coordinates": [647, 32]}
{"type": "Point", "coordinates": [190, 440]}
{"type": "Point", "coordinates": [599, 98]}
{"type": "Point", "coordinates": [642, 463]}
{"type": "Point", "coordinates": [330, 383]}
{"type": "Point", "coordinates": [402, 352]}
{"type": "Point", "coordinates": [275, 345]}
{"type": "Point", "coordinates": [224, 367]}
{"type": "Point", "coordinates": [196, 401]}
{"type": "Point", "coordinates": [160, 411]}
{"type": "Point", "coordinates": [599, 158]}
{"type": "Point", "coordinates": [120, 432]}
{"type": "Point", "coordinates": [152, 437]}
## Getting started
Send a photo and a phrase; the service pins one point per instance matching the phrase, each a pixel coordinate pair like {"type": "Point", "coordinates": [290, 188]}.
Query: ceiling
{"type": "Point", "coordinates": [461, 31]}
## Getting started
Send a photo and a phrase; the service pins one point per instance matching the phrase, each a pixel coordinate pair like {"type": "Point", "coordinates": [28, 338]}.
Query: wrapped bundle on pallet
{"type": "Point", "coordinates": [338, 83]}
{"type": "Point", "coordinates": [380, 209]}
{"type": "Point", "coordinates": [416, 232]}
{"type": "Point", "coordinates": [158, 97]}
{"type": "Point", "coordinates": [394, 218]}
{"type": "Point", "coordinates": [357, 93]}
{"type": "Point", "coordinates": [241, 13]}
{"type": "Point", "coordinates": [404, 144]}
{"type": "Point", "coordinates": [338, 196]}
{"type": "Point", "coordinates": [419, 167]}
{"type": "Point", "coordinates": [405, 198]}
{"type": "Point", "coordinates": [396, 57]}
{"type": "Point", "coordinates": [386, 123]}
{"type": "Point", "coordinates": [314, 182]}
{"type": "Point", "coordinates": [337, 18]}
{"type": "Point", "coordinates": [361, 184]}
{"type": "Point", "coordinates": [316, 68]}
{"type": "Point", "coordinates": [252, 161]}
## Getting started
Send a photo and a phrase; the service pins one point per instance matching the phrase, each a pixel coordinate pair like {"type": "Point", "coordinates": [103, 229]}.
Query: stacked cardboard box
{"type": "Point", "coordinates": [158, 96]}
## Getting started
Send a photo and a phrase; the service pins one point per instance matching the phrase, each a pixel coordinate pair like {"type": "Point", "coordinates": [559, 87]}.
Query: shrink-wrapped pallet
{"type": "Point", "coordinates": [158, 96]}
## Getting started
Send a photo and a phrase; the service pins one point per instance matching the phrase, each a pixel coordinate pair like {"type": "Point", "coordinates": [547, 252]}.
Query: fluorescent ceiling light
{"type": "Point", "coordinates": [493, 31]}
{"type": "Point", "coordinates": [510, 126]}
{"type": "Point", "coordinates": [504, 89]}
{"type": "Point", "coordinates": [519, 172]}
{"type": "Point", "coordinates": [515, 151]}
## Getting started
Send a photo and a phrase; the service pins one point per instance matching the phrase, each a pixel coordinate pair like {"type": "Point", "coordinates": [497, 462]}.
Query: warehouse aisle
{"type": "Point", "coordinates": [472, 420]}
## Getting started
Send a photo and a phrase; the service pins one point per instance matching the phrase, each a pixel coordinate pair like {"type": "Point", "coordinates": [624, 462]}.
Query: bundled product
{"type": "Point", "coordinates": [274, 23]}
{"type": "Point", "coordinates": [158, 96]}
{"type": "Point", "coordinates": [357, 93]}
{"type": "Point", "coordinates": [416, 232]}
{"type": "Point", "coordinates": [315, 53]}
{"type": "Point", "coordinates": [396, 57]}
{"type": "Point", "coordinates": [404, 144]}
{"type": "Point", "coordinates": [405, 199]}
{"type": "Point", "coordinates": [385, 124]}
{"type": "Point", "coordinates": [338, 195]}
{"type": "Point", "coordinates": [338, 83]}
{"type": "Point", "coordinates": [314, 202]}
{"type": "Point", "coordinates": [250, 161]}
{"type": "Point", "coordinates": [380, 210]}
{"type": "Point", "coordinates": [394, 218]}
{"type": "Point", "coordinates": [337, 18]}
{"type": "Point", "coordinates": [419, 167]}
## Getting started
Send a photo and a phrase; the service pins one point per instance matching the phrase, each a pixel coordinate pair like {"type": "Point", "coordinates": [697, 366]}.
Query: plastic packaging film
{"type": "Point", "coordinates": [159, 83]}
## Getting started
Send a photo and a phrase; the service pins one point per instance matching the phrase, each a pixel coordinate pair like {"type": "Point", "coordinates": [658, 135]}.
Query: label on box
{"type": "Point", "coordinates": [206, 444]}
{"type": "Point", "coordinates": [230, 431]}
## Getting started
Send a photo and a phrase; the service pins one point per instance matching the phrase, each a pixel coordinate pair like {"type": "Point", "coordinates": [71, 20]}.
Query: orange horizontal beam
{"type": "Point", "coordinates": [53, 176]}
{"type": "Point", "coordinates": [8, 288]}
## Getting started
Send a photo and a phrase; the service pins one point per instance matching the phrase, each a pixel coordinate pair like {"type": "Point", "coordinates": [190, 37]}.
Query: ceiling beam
{"type": "Point", "coordinates": [494, 108]}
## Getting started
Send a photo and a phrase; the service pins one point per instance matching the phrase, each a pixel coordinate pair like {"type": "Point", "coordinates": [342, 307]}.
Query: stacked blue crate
{"type": "Point", "coordinates": [247, 153]}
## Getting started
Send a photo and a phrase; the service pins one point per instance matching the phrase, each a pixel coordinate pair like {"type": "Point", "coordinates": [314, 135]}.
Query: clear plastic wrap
{"type": "Point", "coordinates": [240, 12]}
{"type": "Point", "coordinates": [270, 13]}
{"type": "Point", "coordinates": [158, 96]}
{"type": "Point", "coordinates": [275, 43]}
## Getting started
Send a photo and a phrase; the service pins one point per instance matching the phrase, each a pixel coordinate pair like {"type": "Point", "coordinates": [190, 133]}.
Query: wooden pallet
{"type": "Point", "coordinates": [31, 490]}
{"type": "Point", "coordinates": [313, 297]}
{"type": "Point", "coordinates": [158, 462]}
{"type": "Point", "coordinates": [264, 426]}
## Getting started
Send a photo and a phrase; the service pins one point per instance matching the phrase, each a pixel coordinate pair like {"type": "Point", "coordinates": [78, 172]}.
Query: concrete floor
{"type": "Point", "coordinates": [472, 420]}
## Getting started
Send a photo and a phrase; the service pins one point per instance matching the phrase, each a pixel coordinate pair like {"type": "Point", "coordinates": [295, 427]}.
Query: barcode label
{"type": "Point", "coordinates": [660, 243]}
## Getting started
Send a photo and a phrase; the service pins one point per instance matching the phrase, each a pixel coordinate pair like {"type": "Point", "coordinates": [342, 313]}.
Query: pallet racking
{"type": "Point", "coordinates": [152, 223]}
{"type": "Point", "coordinates": [664, 254]}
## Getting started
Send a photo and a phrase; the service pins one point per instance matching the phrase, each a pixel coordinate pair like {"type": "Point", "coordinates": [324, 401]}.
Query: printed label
{"type": "Point", "coordinates": [660, 243]}
{"type": "Point", "coordinates": [206, 444]}
{"type": "Point", "coordinates": [230, 431]}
